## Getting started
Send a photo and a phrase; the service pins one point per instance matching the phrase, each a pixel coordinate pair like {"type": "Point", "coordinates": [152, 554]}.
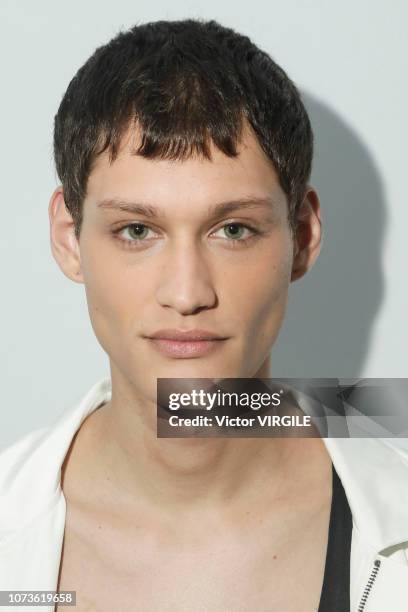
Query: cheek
{"type": "Point", "coordinates": [114, 296]}
{"type": "Point", "coordinates": [264, 289]}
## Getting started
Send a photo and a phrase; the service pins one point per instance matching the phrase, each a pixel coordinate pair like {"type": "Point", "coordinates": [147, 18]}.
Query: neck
{"type": "Point", "coordinates": [182, 474]}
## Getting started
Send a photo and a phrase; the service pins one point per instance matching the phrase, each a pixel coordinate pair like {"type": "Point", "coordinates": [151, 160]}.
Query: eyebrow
{"type": "Point", "coordinates": [215, 210]}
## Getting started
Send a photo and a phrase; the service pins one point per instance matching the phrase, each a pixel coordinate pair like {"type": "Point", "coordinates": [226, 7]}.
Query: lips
{"type": "Point", "coordinates": [185, 343]}
{"type": "Point", "coordinates": [181, 335]}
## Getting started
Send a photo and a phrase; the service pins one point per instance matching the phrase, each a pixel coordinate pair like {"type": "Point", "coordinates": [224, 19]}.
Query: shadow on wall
{"type": "Point", "coordinates": [331, 310]}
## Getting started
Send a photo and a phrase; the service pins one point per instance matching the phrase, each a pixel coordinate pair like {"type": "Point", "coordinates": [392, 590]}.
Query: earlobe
{"type": "Point", "coordinates": [64, 243]}
{"type": "Point", "coordinates": [308, 235]}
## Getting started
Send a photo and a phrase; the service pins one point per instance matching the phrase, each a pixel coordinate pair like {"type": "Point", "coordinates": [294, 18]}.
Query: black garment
{"type": "Point", "coordinates": [335, 595]}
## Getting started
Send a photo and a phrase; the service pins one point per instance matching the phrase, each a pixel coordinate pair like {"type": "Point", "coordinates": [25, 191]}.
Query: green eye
{"type": "Point", "coordinates": [235, 230]}
{"type": "Point", "coordinates": [137, 230]}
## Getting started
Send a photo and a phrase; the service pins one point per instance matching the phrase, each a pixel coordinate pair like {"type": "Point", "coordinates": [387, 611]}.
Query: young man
{"type": "Point", "coordinates": [184, 154]}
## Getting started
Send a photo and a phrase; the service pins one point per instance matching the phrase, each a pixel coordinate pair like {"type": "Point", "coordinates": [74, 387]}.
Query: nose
{"type": "Point", "coordinates": [185, 283]}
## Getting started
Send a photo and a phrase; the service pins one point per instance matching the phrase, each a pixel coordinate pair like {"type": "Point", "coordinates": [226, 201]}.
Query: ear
{"type": "Point", "coordinates": [308, 234]}
{"type": "Point", "coordinates": [64, 244]}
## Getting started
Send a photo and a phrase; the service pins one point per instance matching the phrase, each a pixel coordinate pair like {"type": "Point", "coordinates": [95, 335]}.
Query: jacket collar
{"type": "Point", "coordinates": [30, 479]}
{"type": "Point", "coordinates": [373, 471]}
{"type": "Point", "coordinates": [374, 474]}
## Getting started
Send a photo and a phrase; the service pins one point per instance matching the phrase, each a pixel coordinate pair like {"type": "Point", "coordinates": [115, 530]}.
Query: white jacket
{"type": "Point", "coordinates": [374, 473]}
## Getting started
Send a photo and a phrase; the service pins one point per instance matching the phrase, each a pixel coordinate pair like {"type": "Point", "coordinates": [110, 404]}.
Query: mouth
{"type": "Point", "coordinates": [185, 348]}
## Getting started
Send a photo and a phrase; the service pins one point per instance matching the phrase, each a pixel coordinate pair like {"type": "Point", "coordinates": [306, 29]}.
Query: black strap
{"type": "Point", "coordinates": [335, 595]}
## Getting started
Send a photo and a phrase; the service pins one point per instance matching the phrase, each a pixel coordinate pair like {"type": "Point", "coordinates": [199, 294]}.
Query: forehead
{"type": "Point", "coordinates": [195, 180]}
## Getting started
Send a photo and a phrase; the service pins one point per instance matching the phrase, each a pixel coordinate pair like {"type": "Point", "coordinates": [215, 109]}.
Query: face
{"type": "Point", "coordinates": [194, 244]}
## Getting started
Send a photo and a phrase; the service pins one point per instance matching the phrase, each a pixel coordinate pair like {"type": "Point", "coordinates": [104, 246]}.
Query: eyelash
{"type": "Point", "coordinates": [237, 242]}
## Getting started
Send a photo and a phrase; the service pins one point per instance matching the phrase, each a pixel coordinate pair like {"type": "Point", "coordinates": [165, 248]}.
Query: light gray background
{"type": "Point", "coordinates": [347, 318]}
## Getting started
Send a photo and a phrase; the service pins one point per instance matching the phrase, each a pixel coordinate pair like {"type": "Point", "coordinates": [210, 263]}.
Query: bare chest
{"type": "Point", "coordinates": [264, 566]}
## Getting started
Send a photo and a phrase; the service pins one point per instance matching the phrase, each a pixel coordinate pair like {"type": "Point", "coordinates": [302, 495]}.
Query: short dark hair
{"type": "Point", "coordinates": [185, 84]}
